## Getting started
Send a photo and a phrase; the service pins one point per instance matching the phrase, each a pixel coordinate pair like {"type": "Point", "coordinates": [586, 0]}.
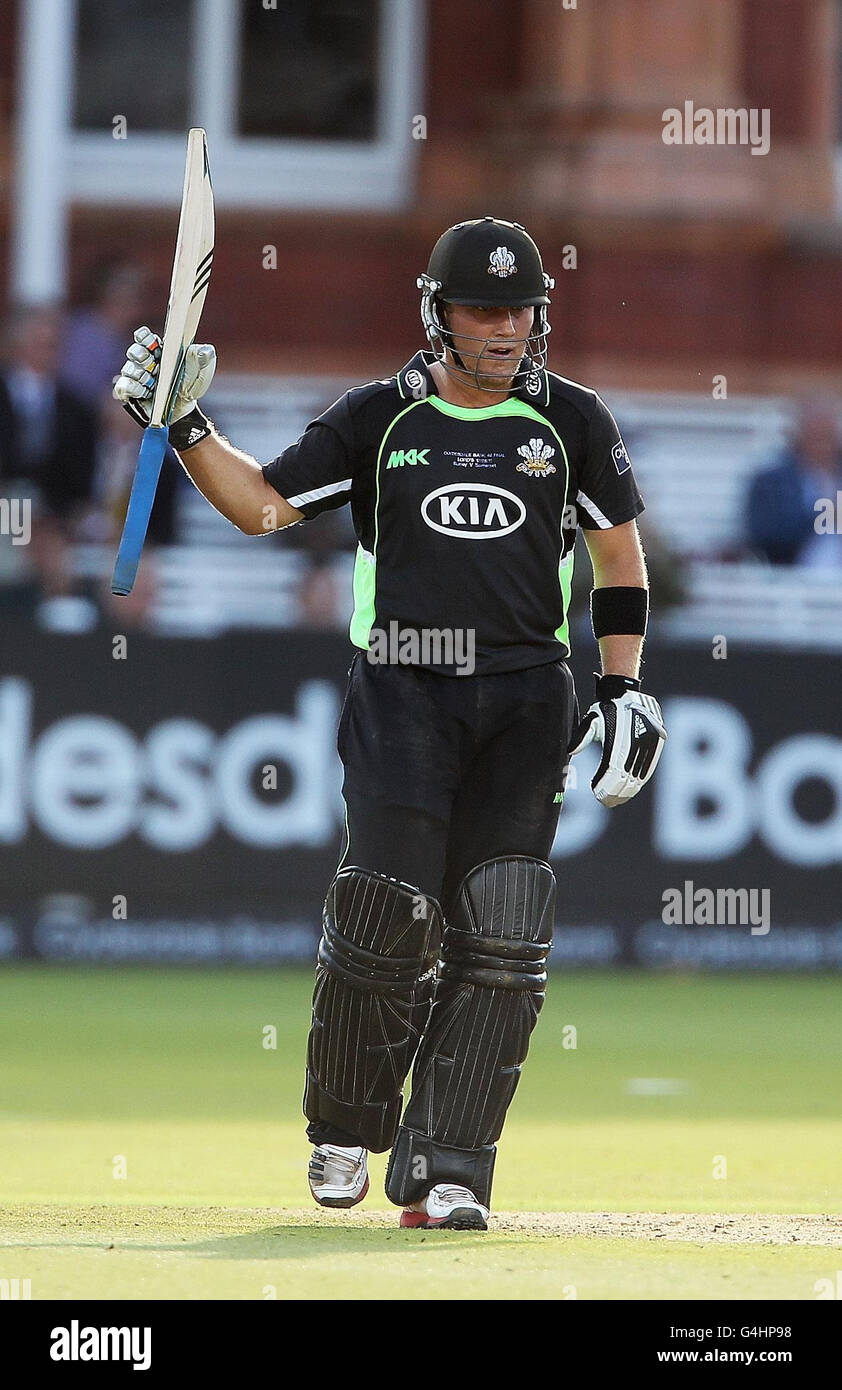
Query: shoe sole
{"type": "Point", "coordinates": [460, 1219]}
{"type": "Point", "coordinates": [340, 1201]}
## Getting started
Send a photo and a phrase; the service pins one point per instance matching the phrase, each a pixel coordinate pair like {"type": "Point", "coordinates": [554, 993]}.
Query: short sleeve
{"type": "Point", "coordinates": [315, 474]}
{"type": "Point", "coordinates": [608, 494]}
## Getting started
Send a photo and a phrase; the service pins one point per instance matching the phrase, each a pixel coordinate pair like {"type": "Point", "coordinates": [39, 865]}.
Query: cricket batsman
{"type": "Point", "coordinates": [468, 473]}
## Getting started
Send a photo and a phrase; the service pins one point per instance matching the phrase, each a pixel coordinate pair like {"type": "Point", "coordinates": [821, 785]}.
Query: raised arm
{"type": "Point", "coordinates": [233, 483]}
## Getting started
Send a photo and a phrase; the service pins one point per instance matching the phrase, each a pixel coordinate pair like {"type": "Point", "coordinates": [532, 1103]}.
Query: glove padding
{"type": "Point", "coordinates": [630, 727]}
{"type": "Point", "coordinates": [135, 386]}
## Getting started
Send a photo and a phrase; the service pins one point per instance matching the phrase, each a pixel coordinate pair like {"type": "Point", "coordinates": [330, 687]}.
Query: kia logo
{"type": "Point", "coordinates": [475, 511]}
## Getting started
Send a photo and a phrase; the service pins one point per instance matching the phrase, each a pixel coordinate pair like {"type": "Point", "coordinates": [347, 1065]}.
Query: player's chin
{"type": "Point", "coordinates": [499, 373]}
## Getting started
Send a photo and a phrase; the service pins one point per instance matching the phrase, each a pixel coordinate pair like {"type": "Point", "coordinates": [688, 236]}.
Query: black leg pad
{"type": "Point", "coordinates": [417, 1163]}
{"type": "Point", "coordinates": [489, 993]}
{"type": "Point", "coordinates": [374, 984]}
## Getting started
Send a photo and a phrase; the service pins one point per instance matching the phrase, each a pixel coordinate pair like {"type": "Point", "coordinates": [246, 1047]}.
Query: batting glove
{"type": "Point", "coordinates": [135, 386]}
{"type": "Point", "coordinates": [630, 727]}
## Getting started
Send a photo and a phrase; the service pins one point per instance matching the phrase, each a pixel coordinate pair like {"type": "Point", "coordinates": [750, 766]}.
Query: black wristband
{"type": "Point", "coordinates": [619, 610]}
{"type": "Point", "coordinates": [612, 687]}
{"type": "Point", "coordinates": [189, 430]}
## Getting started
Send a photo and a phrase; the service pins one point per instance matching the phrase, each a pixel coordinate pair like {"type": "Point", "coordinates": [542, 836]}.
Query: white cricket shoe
{"type": "Point", "coordinates": [338, 1176]}
{"type": "Point", "coordinates": [446, 1207]}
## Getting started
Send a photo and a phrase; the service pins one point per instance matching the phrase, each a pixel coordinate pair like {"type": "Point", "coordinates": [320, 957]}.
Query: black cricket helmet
{"type": "Point", "coordinates": [490, 263]}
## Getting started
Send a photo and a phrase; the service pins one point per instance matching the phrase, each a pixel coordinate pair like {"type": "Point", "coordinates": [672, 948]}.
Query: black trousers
{"type": "Point", "coordinates": [444, 772]}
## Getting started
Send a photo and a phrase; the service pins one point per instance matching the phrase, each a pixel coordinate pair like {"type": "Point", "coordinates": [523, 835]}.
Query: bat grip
{"type": "Point", "coordinates": [152, 450]}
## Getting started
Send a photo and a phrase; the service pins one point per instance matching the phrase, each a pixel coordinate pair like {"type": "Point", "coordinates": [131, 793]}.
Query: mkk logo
{"type": "Point", "coordinates": [399, 457]}
{"type": "Point", "coordinates": [474, 511]}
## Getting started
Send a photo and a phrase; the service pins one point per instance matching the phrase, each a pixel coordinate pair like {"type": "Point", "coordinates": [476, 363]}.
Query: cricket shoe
{"type": "Point", "coordinates": [446, 1207]}
{"type": "Point", "coordinates": [338, 1176]}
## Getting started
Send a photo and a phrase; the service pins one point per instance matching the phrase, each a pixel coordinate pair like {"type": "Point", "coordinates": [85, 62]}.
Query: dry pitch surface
{"type": "Point", "coordinates": [266, 1253]}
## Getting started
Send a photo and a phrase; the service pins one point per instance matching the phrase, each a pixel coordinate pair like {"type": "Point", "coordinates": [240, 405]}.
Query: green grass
{"type": "Point", "coordinates": [167, 1069]}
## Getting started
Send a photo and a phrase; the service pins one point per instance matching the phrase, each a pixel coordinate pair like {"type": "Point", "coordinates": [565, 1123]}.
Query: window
{"type": "Point", "coordinates": [118, 46]}
{"type": "Point", "coordinates": [307, 103]}
{"type": "Point", "coordinates": [333, 42]}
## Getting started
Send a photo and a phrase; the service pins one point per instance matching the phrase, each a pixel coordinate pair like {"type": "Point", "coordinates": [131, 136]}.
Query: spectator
{"type": "Point", "coordinates": [781, 504]}
{"type": "Point", "coordinates": [97, 333]}
{"type": "Point", "coordinates": [323, 595]}
{"type": "Point", "coordinates": [326, 549]}
{"type": "Point", "coordinates": [665, 568]}
{"type": "Point", "coordinates": [116, 464]}
{"type": "Point", "coordinates": [48, 440]}
{"type": "Point", "coordinates": [95, 344]}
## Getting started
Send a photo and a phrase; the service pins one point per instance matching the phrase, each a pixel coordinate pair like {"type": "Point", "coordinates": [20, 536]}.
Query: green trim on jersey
{"type": "Point", "coordinates": [565, 581]}
{"type": "Point", "coordinates": [511, 406]}
{"type": "Point", "coordinates": [514, 406]}
{"type": "Point", "coordinates": [365, 565]}
{"type": "Point", "coordinates": [362, 618]}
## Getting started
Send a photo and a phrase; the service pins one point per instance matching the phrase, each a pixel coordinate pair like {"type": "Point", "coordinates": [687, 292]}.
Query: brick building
{"type": "Point", "coordinates": [690, 260]}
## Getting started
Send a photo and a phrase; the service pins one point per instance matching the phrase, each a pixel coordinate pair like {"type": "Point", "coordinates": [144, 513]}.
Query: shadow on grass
{"type": "Point", "coordinates": [291, 1242]}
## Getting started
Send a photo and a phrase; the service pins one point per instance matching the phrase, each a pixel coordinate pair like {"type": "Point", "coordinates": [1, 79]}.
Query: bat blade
{"type": "Point", "coordinates": [188, 287]}
{"type": "Point", "coordinates": [190, 274]}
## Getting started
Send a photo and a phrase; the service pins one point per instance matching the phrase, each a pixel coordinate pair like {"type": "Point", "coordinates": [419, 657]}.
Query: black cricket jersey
{"type": "Point", "coordinates": [466, 519]}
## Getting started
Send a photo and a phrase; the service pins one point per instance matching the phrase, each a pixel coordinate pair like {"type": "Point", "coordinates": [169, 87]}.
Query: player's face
{"type": "Point", "coordinates": [490, 341]}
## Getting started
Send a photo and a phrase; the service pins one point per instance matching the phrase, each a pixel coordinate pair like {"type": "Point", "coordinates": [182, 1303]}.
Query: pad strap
{"type": "Point", "coordinates": [480, 960]}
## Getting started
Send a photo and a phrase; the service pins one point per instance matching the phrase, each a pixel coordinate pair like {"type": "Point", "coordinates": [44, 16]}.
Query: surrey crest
{"type": "Point", "coordinates": [502, 263]}
{"type": "Point", "coordinates": [536, 457]}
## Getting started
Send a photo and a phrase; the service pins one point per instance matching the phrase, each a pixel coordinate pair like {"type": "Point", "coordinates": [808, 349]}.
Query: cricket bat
{"type": "Point", "coordinates": [188, 287]}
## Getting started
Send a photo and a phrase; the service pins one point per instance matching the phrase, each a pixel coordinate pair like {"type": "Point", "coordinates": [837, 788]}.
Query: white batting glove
{"type": "Point", "coordinates": [630, 727]}
{"type": "Point", "coordinates": [135, 386]}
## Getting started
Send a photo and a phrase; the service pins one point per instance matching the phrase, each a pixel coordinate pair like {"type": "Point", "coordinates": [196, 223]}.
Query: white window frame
{"type": "Point", "coordinates": [253, 172]}
{"type": "Point", "coordinates": [837, 87]}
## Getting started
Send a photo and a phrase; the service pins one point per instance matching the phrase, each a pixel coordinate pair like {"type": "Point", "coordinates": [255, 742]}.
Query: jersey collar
{"type": "Point", "coordinates": [415, 381]}
{"type": "Point", "coordinates": [534, 387]}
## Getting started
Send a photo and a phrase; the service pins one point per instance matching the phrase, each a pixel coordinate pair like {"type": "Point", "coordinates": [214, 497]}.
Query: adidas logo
{"type": "Point", "coordinates": [639, 726]}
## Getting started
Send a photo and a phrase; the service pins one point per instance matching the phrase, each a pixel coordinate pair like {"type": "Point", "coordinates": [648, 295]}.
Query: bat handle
{"type": "Point", "coordinates": [152, 450]}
